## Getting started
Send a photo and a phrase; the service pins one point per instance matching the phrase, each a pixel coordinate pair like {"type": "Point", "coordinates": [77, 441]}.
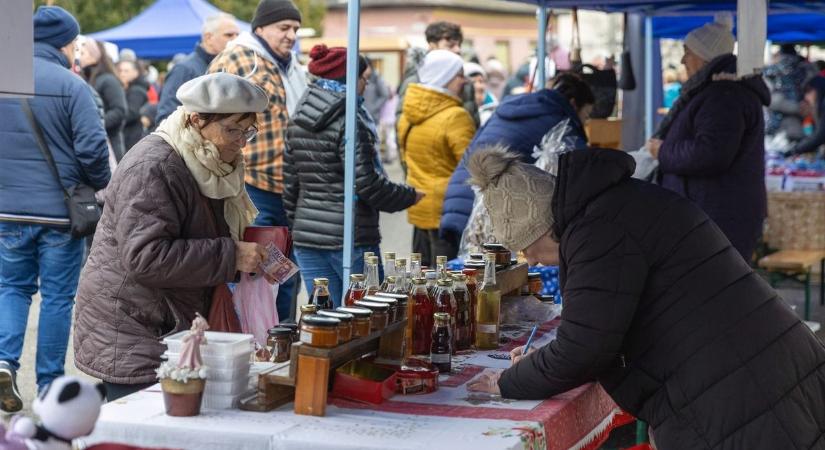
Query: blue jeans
{"type": "Point", "coordinates": [271, 213]}
{"type": "Point", "coordinates": [316, 263]}
{"type": "Point", "coordinates": [26, 253]}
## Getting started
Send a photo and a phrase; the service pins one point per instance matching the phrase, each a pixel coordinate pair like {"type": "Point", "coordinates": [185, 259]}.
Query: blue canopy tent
{"type": "Point", "coordinates": [165, 28]}
{"type": "Point", "coordinates": [791, 27]}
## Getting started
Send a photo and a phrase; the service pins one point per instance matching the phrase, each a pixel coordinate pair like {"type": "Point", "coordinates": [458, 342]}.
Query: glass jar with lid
{"type": "Point", "coordinates": [391, 303]}
{"type": "Point", "coordinates": [279, 341]}
{"type": "Point", "coordinates": [319, 331]}
{"type": "Point", "coordinates": [345, 327]}
{"type": "Point", "coordinates": [380, 314]}
{"type": "Point", "coordinates": [362, 320]}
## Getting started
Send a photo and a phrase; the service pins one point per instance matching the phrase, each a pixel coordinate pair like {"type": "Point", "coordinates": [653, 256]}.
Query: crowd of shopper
{"type": "Point", "coordinates": [241, 133]}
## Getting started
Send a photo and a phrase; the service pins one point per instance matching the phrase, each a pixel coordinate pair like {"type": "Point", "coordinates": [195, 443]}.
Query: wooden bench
{"type": "Point", "coordinates": [793, 264]}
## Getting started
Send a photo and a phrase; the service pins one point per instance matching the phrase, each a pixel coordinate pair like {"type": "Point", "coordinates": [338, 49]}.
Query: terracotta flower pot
{"type": "Point", "coordinates": [182, 399]}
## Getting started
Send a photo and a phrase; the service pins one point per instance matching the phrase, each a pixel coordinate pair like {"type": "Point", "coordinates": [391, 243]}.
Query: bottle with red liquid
{"type": "Point", "coordinates": [320, 294]}
{"type": "Point", "coordinates": [373, 284]}
{"type": "Point", "coordinates": [472, 295]}
{"type": "Point", "coordinates": [441, 348]}
{"type": "Point", "coordinates": [445, 303]}
{"type": "Point", "coordinates": [415, 269]}
{"type": "Point", "coordinates": [422, 317]}
{"type": "Point", "coordinates": [357, 290]}
{"type": "Point", "coordinates": [463, 321]}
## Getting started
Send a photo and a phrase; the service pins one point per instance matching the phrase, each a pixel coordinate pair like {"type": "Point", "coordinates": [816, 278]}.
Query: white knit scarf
{"type": "Point", "coordinates": [216, 179]}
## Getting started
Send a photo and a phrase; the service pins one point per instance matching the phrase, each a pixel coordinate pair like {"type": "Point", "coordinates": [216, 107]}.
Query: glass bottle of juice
{"type": "Point", "coordinates": [389, 269]}
{"type": "Point", "coordinates": [463, 321]}
{"type": "Point", "coordinates": [441, 348]}
{"type": "Point", "coordinates": [320, 294]}
{"type": "Point", "coordinates": [441, 267]}
{"type": "Point", "coordinates": [472, 297]}
{"type": "Point", "coordinates": [390, 283]}
{"type": "Point", "coordinates": [415, 265]}
{"type": "Point", "coordinates": [445, 303]}
{"type": "Point", "coordinates": [488, 310]}
{"type": "Point", "coordinates": [432, 278]}
{"type": "Point", "coordinates": [372, 283]}
{"type": "Point", "coordinates": [422, 317]}
{"type": "Point", "coordinates": [356, 291]}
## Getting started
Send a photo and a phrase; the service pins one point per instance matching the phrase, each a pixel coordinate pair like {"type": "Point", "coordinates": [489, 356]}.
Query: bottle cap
{"type": "Point", "coordinates": [415, 257]}
{"type": "Point", "coordinates": [441, 260]}
{"type": "Point", "coordinates": [490, 257]}
{"type": "Point", "coordinates": [320, 281]}
{"type": "Point", "coordinates": [372, 260]}
{"type": "Point", "coordinates": [389, 255]}
{"type": "Point", "coordinates": [356, 277]}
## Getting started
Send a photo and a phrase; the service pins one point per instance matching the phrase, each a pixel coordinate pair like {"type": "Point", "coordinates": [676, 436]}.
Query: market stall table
{"type": "Point", "coordinates": [452, 416]}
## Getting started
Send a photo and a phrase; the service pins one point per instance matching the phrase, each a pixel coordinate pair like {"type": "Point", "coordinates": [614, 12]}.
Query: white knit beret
{"type": "Point", "coordinates": [710, 40]}
{"type": "Point", "coordinates": [222, 93]}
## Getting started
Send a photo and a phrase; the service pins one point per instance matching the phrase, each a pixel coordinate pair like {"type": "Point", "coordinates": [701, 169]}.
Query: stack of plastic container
{"type": "Point", "coordinates": [227, 357]}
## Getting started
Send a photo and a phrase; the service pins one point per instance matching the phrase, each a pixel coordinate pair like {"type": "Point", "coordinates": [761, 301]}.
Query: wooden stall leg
{"type": "Point", "coordinates": [311, 386]}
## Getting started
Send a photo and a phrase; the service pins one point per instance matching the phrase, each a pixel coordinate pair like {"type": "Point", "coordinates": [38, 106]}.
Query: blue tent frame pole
{"type": "Point", "coordinates": [350, 135]}
{"type": "Point", "coordinates": [649, 110]}
{"type": "Point", "coordinates": [541, 76]}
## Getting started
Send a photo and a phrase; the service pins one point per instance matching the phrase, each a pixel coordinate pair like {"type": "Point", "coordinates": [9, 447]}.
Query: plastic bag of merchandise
{"type": "Point", "coordinates": [254, 300]}
{"type": "Point", "coordinates": [558, 140]}
{"type": "Point", "coordinates": [479, 229]}
{"type": "Point", "coordinates": [647, 167]}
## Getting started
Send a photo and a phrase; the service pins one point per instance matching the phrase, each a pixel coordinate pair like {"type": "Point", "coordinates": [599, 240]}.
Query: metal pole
{"type": "Point", "coordinates": [649, 110]}
{"type": "Point", "coordinates": [350, 135]}
{"type": "Point", "coordinates": [542, 48]}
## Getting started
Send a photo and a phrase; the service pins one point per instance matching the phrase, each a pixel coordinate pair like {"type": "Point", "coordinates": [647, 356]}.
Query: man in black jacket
{"type": "Point", "coordinates": [658, 307]}
{"type": "Point", "coordinates": [217, 31]}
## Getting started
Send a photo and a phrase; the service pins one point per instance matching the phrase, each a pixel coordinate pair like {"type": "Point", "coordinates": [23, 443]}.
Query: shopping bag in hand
{"type": "Point", "coordinates": [254, 300]}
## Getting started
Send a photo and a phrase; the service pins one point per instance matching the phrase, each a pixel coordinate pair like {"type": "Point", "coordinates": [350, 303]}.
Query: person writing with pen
{"type": "Point", "coordinates": [660, 308]}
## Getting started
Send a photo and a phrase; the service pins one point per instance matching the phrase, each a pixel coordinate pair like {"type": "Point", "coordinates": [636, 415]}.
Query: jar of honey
{"type": "Point", "coordinates": [392, 312]}
{"type": "Point", "coordinates": [380, 314]}
{"type": "Point", "coordinates": [345, 328]}
{"type": "Point", "coordinates": [361, 322]}
{"type": "Point", "coordinates": [319, 331]}
{"type": "Point", "coordinates": [534, 283]}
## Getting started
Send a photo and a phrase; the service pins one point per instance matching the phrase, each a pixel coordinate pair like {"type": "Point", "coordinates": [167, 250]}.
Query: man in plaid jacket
{"type": "Point", "coordinates": [265, 57]}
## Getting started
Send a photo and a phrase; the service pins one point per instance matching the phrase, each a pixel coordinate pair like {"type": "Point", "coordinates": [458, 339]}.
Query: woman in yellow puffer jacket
{"type": "Point", "coordinates": [434, 131]}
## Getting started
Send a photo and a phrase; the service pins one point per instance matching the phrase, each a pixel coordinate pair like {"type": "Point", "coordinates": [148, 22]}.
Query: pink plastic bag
{"type": "Point", "coordinates": [254, 300]}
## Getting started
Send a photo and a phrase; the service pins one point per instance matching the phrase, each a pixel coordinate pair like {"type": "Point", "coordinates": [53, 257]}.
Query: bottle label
{"type": "Point", "coordinates": [306, 337]}
{"type": "Point", "coordinates": [489, 328]}
{"type": "Point", "coordinates": [439, 358]}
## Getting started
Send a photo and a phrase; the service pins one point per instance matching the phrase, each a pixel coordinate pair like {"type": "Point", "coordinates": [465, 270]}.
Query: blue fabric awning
{"type": "Point", "coordinates": [163, 29]}
{"type": "Point", "coordinates": [802, 27]}
{"type": "Point", "coordinates": [675, 7]}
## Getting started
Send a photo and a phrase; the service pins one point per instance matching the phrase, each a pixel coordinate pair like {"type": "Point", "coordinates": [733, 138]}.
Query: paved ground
{"type": "Point", "coordinates": [397, 237]}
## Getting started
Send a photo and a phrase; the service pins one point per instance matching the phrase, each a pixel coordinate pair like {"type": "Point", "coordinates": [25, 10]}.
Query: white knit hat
{"type": "Point", "coordinates": [710, 40]}
{"type": "Point", "coordinates": [222, 92]}
{"type": "Point", "coordinates": [439, 68]}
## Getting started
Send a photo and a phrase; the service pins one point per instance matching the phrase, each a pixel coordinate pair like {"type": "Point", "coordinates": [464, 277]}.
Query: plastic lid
{"type": "Point", "coordinates": [399, 297]}
{"type": "Point", "coordinates": [357, 312]}
{"type": "Point", "coordinates": [533, 275]}
{"type": "Point", "coordinates": [374, 306]}
{"type": "Point", "coordinates": [389, 255]}
{"type": "Point", "coordinates": [440, 259]}
{"type": "Point", "coordinates": [459, 277]}
{"type": "Point", "coordinates": [320, 321]}
{"type": "Point", "coordinates": [279, 331]}
{"type": "Point", "coordinates": [342, 316]}
{"type": "Point", "coordinates": [476, 256]}
{"type": "Point", "coordinates": [494, 247]}
{"type": "Point", "coordinates": [289, 325]}
{"type": "Point", "coordinates": [401, 262]}
{"type": "Point", "coordinates": [386, 300]}
{"type": "Point", "coordinates": [441, 317]}
{"type": "Point", "coordinates": [392, 280]}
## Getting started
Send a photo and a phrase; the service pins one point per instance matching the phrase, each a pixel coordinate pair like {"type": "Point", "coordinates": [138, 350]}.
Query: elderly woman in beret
{"type": "Point", "coordinates": [174, 214]}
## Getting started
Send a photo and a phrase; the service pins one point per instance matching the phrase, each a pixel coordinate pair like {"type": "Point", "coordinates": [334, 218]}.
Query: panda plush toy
{"type": "Point", "coordinates": [68, 409]}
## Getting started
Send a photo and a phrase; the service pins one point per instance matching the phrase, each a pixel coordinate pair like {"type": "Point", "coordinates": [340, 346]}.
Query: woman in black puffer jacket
{"type": "Point", "coordinates": [314, 175]}
{"type": "Point", "coordinates": [99, 72]}
{"type": "Point", "coordinates": [659, 308]}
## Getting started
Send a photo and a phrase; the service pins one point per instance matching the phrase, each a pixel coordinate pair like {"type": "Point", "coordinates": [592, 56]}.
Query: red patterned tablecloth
{"type": "Point", "coordinates": [579, 419]}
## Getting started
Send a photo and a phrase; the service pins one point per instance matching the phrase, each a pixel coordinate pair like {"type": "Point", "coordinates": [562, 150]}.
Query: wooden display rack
{"type": "Point", "coordinates": [305, 378]}
{"type": "Point", "coordinates": [512, 278]}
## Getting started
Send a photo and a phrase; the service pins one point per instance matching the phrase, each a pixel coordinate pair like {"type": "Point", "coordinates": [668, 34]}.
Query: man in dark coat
{"type": "Point", "coordinates": [519, 123]}
{"type": "Point", "coordinates": [37, 252]}
{"type": "Point", "coordinates": [711, 145]}
{"type": "Point", "coordinates": [659, 308]}
{"type": "Point", "coordinates": [217, 31]}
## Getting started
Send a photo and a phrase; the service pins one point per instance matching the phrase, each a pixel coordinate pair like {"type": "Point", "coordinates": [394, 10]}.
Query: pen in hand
{"type": "Point", "coordinates": [529, 340]}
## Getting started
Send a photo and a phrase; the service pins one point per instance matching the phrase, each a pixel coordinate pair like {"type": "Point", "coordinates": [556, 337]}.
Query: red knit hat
{"type": "Point", "coordinates": [329, 63]}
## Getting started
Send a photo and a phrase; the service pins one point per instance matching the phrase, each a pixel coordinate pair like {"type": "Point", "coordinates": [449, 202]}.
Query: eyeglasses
{"type": "Point", "coordinates": [236, 133]}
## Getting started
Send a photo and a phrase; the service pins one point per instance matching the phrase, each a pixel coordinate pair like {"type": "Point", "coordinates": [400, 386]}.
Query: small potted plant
{"type": "Point", "coordinates": [183, 383]}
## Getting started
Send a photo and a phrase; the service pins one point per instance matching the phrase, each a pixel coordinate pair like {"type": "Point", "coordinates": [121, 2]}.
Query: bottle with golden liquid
{"type": "Point", "coordinates": [373, 284]}
{"type": "Point", "coordinates": [488, 307]}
